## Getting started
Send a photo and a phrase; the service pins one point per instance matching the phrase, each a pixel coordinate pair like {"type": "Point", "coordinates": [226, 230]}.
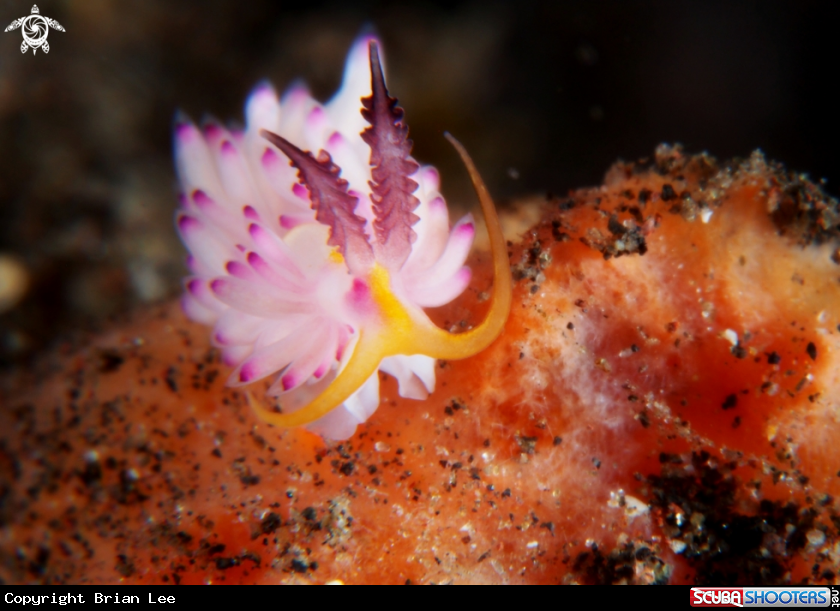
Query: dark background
{"type": "Point", "coordinates": [545, 95]}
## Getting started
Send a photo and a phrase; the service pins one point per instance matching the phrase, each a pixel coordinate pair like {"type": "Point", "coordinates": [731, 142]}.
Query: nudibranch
{"type": "Point", "coordinates": [316, 271]}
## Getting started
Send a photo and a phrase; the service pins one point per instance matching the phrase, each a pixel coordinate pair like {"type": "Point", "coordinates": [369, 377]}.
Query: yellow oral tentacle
{"type": "Point", "coordinates": [397, 332]}
{"type": "Point", "coordinates": [431, 340]}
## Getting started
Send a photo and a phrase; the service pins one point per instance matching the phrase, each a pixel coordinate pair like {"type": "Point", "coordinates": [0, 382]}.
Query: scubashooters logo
{"type": "Point", "coordinates": [35, 28]}
{"type": "Point", "coordinates": [761, 597]}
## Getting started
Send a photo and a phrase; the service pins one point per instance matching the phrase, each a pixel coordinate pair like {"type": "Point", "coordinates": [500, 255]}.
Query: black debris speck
{"type": "Point", "coordinates": [615, 227]}
{"type": "Point", "coordinates": [730, 401]}
{"type": "Point", "coordinates": [246, 477]}
{"type": "Point", "coordinates": [125, 567]}
{"type": "Point", "coordinates": [811, 349]}
{"type": "Point", "coordinates": [170, 379]}
{"type": "Point", "coordinates": [38, 565]}
{"type": "Point", "coordinates": [109, 361]}
{"type": "Point", "coordinates": [270, 523]}
{"type": "Point", "coordinates": [92, 473]}
{"type": "Point", "coordinates": [226, 563]}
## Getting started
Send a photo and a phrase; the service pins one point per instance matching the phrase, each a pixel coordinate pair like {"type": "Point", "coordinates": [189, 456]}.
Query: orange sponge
{"type": "Point", "coordinates": [661, 407]}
